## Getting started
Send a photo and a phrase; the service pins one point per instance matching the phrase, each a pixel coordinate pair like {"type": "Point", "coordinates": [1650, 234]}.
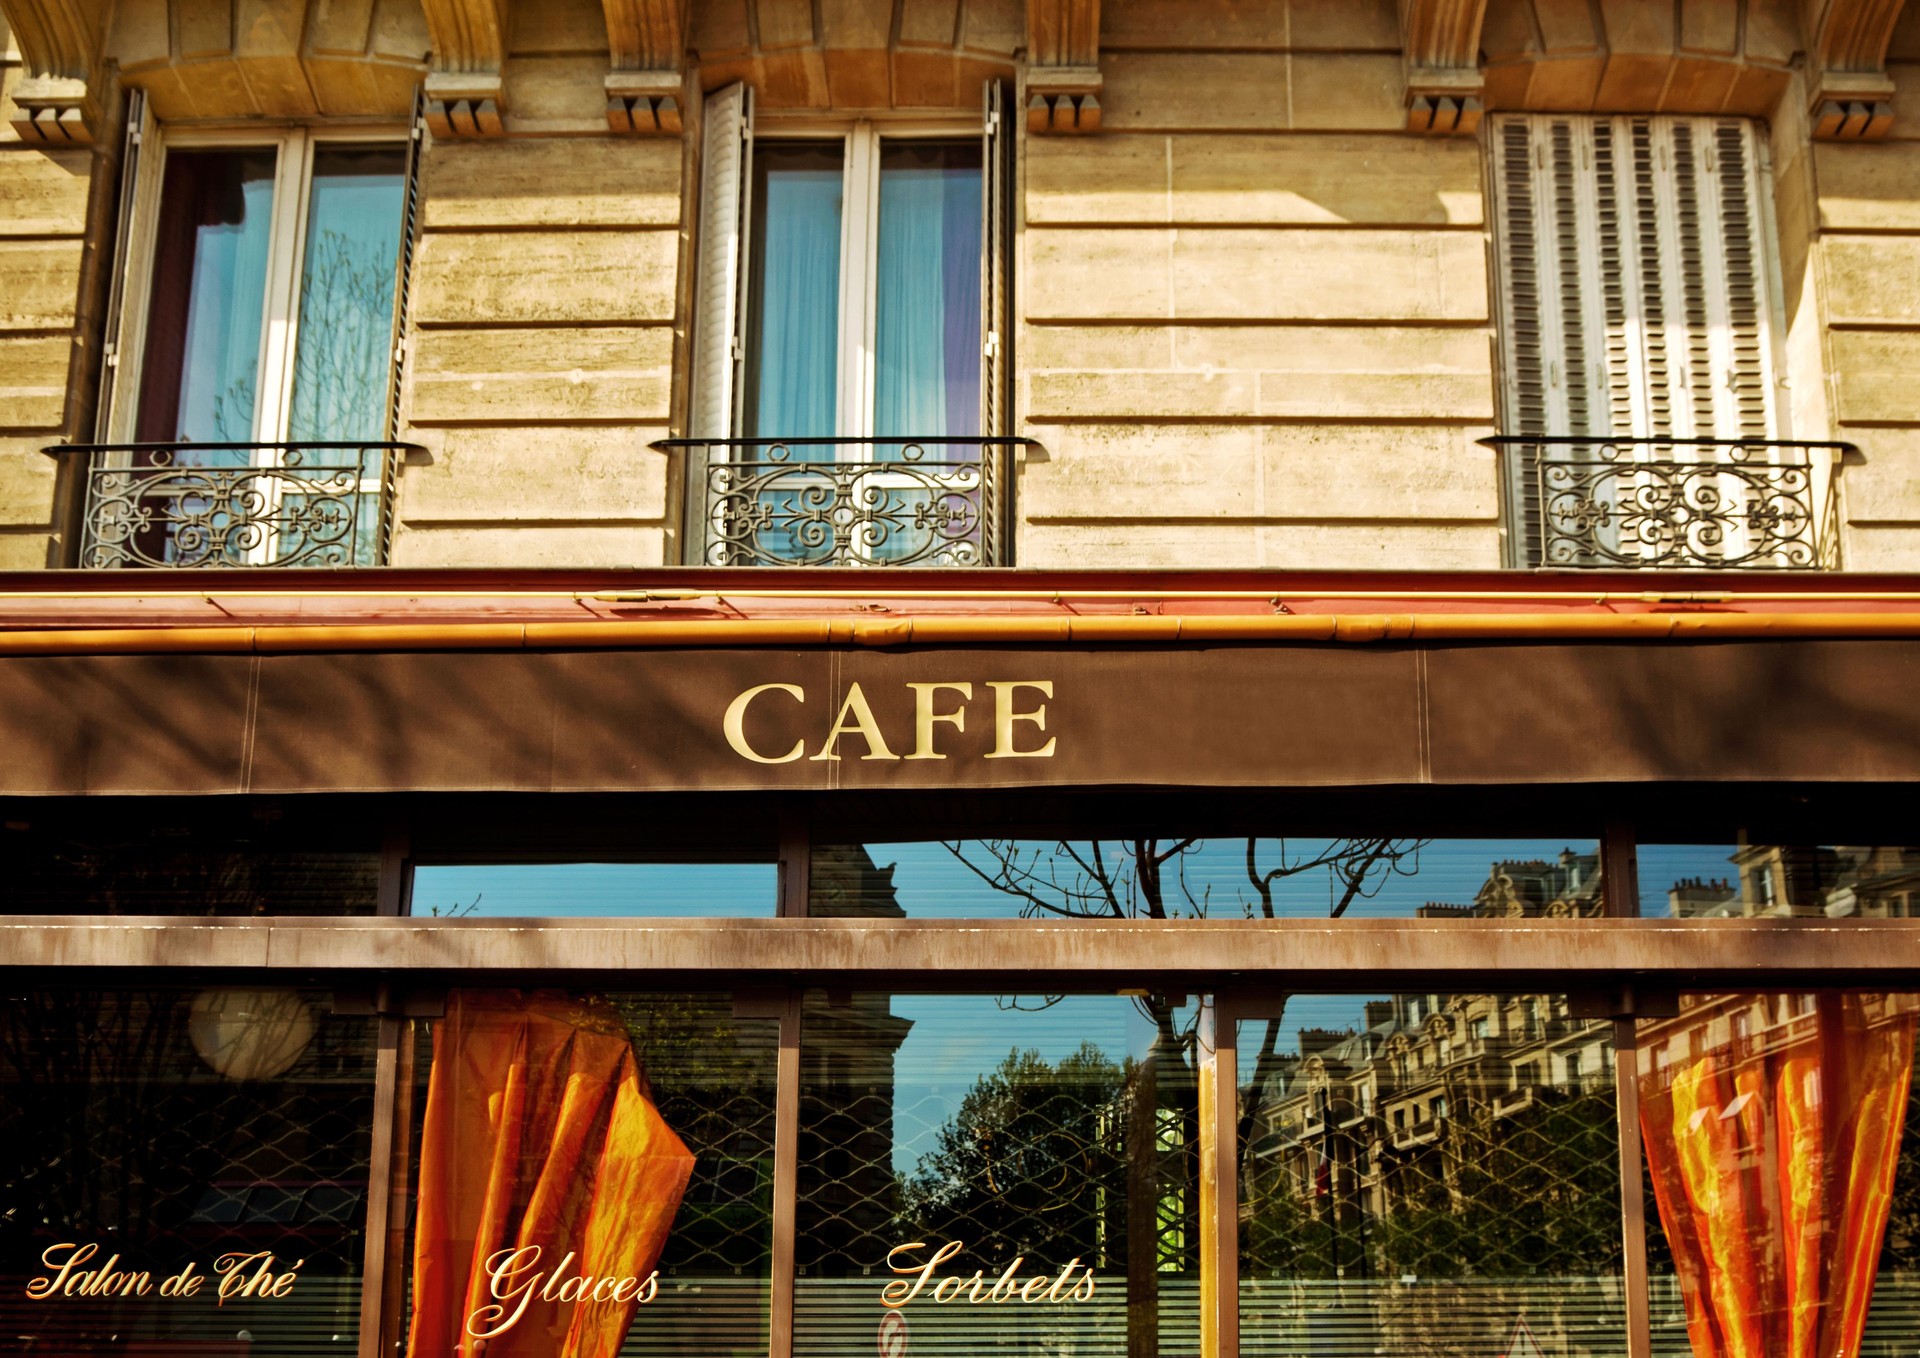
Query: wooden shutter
{"type": "Point", "coordinates": [996, 319]}
{"type": "Point", "coordinates": [725, 163]}
{"type": "Point", "coordinates": [1635, 289]}
{"type": "Point", "coordinates": [137, 134]}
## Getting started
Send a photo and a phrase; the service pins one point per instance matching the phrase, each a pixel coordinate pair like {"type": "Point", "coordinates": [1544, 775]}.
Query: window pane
{"type": "Point", "coordinates": [927, 360]}
{"type": "Point", "coordinates": [1231, 878]}
{"type": "Point", "coordinates": [202, 358]}
{"type": "Point", "coordinates": [1718, 881]}
{"type": "Point", "coordinates": [1433, 1173]}
{"type": "Point", "coordinates": [1041, 1150]}
{"type": "Point", "coordinates": [794, 307]}
{"type": "Point", "coordinates": [78, 867]}
{"type": "Point", "coordinates": [156, 1133]}
{"type": "Point", "coordinates": [590, 890]}
{"type": "Point", "coordinates": [636, 1153]}
{"type": "Point", "coordinates": [346, 294]}
{"type": "Point", "coordinates": [1783, 1161]}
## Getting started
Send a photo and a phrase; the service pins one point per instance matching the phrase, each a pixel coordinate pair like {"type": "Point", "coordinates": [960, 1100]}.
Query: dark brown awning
{"type": "Point", "coordinates": [1228, 715]}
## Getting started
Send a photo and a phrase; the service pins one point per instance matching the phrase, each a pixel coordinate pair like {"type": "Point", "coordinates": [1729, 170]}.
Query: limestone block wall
{"type": "Point", "coordinates": [1867, 200]}
{"type": "Point", "coordinates": [542, 354]}
{"type": "Point", "coordinates": [43, 214]}
{"type": "Point", "coordinates": [542, 337]}
{"type": "Point", "coordinates": [1255, 310]}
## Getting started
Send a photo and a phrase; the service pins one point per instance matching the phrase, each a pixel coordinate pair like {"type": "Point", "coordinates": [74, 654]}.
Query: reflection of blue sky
{"type": "Point", "coordinates": [957, 1039]}
{"type": "Point", "coordinates": [933, 884]}
{"type": "Point", "coordinates": [1662, 865]}
{"type": "Point", "coordinates": [595, 890]}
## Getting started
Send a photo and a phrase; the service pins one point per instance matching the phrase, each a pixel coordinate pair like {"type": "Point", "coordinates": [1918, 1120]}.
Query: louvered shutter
{"type": "Point", "coordinates": [1635, 289]}
{"type": "Point", "coordinates": [726, 149]}
{"type": "Point", "coordinates": [113, 393]}
{"type": "Point", "coordinates": [996, 322]}
{"type": "Point", "coordinates": [389, 462]}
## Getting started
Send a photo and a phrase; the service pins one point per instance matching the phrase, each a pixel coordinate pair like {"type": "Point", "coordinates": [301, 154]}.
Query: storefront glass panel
{"type": "Point", "coordinates": [1782, 1136]}
{"type": "Point", "coordinates": [999, 1174]}
{"type": "Point", "coordinates": [183, 1174]}
{"type": "Point", "coordinates": [1428, 1173]}
{"type": "Point", "coordinates": [70, 867]}
{"type": "Point", "coordinates": [1230, 878]}
{"type": "Point", "coordinates": [593, 890]}
{"type": "Point", "coordinates": [595, 1176]}
{"type": "Point", "coordinates": [1779, 881]}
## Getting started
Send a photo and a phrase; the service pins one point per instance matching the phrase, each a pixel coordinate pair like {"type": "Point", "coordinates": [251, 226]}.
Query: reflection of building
{"type": "Point", "coordinates": [1566, 886]}
{"type": "Point", "coordinates": [1356, 1120]}
{"type": "Point", "coordinates": [1385, 1118]}
{"type": "Point", "coordinates": [1768, 879]}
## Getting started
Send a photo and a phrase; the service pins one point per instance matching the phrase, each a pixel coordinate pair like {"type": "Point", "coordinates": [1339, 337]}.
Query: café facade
{"type": "Point", "coordinates": [681, 963]}
{"type": "Point", "coordinates": [828, 678]}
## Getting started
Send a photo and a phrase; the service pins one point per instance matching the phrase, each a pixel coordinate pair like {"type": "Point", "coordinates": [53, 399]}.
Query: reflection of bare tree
{"type": "Point", "coordinates": [1159, 879]}
{"type": "Point", "coordinates": [346, 325]}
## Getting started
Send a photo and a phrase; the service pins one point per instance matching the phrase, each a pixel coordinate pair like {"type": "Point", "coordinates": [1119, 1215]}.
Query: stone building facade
{"type": "Point", "coordinates": [1254, 259]}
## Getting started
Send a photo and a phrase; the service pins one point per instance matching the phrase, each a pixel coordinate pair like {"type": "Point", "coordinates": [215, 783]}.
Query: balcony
{"type": "Point", "coordinates": [847, 501]}
{"type": "Point", "coordinates": [236, 504]}
{"type": "Point", "coordinates": [1673, 504]}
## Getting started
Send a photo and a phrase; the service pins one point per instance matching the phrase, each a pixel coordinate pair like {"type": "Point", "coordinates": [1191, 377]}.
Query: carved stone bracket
{"type": "Point", "coordinates": [1850, 94]}
{"type": "Point", "coordinates": [646, 40]}
{"type": "Point", "coordinates": [1063, 65]}
{"type": "Point", "coordinates": [1441, 39]}
{"type": "Point", "coordinates": [465, 94]}
{"type": "Point", "coordinates": [57, 103]}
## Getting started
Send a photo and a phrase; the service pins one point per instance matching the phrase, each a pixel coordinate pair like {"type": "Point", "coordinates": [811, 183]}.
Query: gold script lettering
{"type": "Point", "coordinates": [1009, 1286]}
{"type": "Point", "coordinates": [735, 725]}
{"type": "Point", "coordinates": [924, 716]}
{"type": "Point", "coordinates": [1004, 717]}
{"type": "Point", "coordinates": [514, 1278]}
{"type": "Point", "coordinates": [898, 1292]}
{"type": "Point", "coordinates": [864, 725]}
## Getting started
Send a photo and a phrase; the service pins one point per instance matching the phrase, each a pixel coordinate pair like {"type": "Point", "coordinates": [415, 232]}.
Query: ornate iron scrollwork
{"type": "Point", "coordinates": [1676, 503]}
{"type": "Point", "coordinates": [247, 505]}
{"type": "Point", "coordinates": [851, 502]}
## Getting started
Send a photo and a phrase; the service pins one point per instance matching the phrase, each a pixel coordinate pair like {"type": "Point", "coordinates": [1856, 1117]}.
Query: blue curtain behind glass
{"type": "Point", "coordinates": [792, 386]}
{"type": "Point", "coordinates": [927, 361]}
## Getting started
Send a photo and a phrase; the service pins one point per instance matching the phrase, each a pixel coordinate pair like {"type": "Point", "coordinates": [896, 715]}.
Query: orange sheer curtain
{"type": "Point", "coordinates": [539, 1131]}
{"type": "Point", "coordinates": [1772, 1126]}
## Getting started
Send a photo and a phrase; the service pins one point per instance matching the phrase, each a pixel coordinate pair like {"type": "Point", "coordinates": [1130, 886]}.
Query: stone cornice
{"type": "Point", "coordinates": [646, 40]}
{"type": "Point", "coordinates": [1850, 94]}
{"type": "Point", "coordinates": [1063, 65]}
{"type": "Point", "coordinates": [465, 94]}
{"type": "Point", "coordinates": [1441, 40]}
{"type": "Point", "coordinates": [58, 100]}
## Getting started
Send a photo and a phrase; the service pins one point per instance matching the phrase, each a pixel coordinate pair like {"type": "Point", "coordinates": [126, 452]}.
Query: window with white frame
{"type": "Point", "coordinates": [259, 276]}
{"type": "Point", "coordinates": [846, 276]}
{"type": "Point", "coordinates": [1637, 296]}
{"type": "Point", "coordinates": [850, 320]}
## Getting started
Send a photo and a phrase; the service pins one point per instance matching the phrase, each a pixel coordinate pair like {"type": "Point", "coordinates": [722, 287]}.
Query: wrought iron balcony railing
{"type": "Point", "coordinates": [236, 504]}
{"type": "Point", "coordinates": [1748, 504]}
{"type": "Point", "coordinates": [847, 501]}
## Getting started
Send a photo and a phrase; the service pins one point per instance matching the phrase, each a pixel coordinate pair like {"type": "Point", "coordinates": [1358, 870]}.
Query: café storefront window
{"type": "Point", "coordinates": [514, 1161]}
{"type": "Point", "coordinates": [185, 1172]}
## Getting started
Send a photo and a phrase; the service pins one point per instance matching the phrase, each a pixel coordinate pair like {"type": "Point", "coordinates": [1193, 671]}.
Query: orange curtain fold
{"type": "Point", "coordinates": [1772, 1133]}
{"type": "Point", "coordinates": [539, 1131]}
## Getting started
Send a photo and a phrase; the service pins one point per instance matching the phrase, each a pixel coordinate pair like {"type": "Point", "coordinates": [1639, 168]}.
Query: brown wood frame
{"type": "Point", "coordinates": [1230, 965]}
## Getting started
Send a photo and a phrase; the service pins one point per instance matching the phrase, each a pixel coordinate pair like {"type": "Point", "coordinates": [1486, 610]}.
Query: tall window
{"type": "Point", "coordinates": [843, 281]}
{"type": "Point", "coordinates": [1636, 292]}
{"type": "Point", "coordinates": [261, 281]}
{"type": "Point", "coordinates": [270, 313]}
{"type": "Point", "coordinates": [848, 339]}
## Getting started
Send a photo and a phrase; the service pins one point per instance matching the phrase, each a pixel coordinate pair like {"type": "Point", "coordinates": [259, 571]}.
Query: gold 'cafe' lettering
{"type": "Point", "coordinates": [1007, 1287]}
{"type": "Point", "coordinates": [856, 718]}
